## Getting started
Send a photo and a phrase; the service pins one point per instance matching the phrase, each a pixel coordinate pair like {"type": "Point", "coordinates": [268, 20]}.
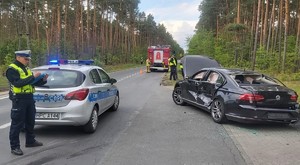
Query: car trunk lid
{"type": "Point", "coordinates": [273, 96]}
{"type": "Point", "coordinates": [51, 98]}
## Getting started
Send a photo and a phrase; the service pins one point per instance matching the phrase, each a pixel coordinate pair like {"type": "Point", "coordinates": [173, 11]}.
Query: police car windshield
{"type": "Point", "coordinates": [63, 78]}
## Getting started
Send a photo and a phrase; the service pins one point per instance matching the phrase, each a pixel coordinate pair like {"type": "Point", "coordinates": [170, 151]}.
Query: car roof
{"type": "Point", "coordinates": [193, 63]}
{"type": "Point", "coordinates": [75, 67]}
{"type": "Point", "coordinates": [235, 71]}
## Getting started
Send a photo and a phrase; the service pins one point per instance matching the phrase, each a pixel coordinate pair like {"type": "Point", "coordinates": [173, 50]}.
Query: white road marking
{"type": "Point", "coordinates": [1, 98]}
{"type": "Point", "coordinates": [4, 125]}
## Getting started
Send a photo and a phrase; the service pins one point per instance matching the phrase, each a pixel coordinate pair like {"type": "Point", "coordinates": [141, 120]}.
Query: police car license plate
{"type": "Point", "coordinates": [42, 115]}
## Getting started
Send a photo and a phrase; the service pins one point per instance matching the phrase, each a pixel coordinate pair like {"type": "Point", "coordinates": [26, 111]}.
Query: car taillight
{"type": "Point", "coordinates": [294, 97]}
{"type": "Point", "coordinates": [251, 97]}
{"type": "Point", "coordinates": [77, 95]}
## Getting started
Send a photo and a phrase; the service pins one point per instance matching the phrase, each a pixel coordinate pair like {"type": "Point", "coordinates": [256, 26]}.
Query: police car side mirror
{"type": "Point", "coordinates": [112, 80]}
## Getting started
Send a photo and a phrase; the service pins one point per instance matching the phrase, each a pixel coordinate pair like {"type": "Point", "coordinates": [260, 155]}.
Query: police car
{"type": "Point", "coordinates": [76, 93]}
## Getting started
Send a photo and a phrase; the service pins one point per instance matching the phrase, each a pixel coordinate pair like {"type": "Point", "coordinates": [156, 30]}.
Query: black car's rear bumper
{"type": "Point", "coordinates": [250, 114]}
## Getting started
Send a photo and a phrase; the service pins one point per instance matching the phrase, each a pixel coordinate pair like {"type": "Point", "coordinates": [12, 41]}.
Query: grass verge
{"type": "Point", "coordinates": [3, 83]}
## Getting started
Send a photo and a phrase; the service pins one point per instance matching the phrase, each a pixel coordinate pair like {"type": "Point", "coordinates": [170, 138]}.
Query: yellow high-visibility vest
{"type": "Point", "coordinates": [181, 66]}
{"type": "Point", "coordinates": [172, 62]}
{"type": "Point", "coordinates": [27, 89]}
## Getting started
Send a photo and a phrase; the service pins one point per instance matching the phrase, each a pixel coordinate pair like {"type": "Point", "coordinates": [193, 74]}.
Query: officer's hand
{"type": "Point", "coordinates": [37, 74]}
{"type": "Point", "coordinates": [45, 77]}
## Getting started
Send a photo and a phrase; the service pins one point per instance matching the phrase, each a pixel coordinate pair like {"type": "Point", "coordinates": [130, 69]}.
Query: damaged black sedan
{"type": "Point", "coordinates": [238, 95]}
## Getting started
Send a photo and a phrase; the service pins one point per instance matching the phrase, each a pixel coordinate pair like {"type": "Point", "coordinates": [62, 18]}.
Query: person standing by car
{"type": "Point", "coordinates": [22, 82]}
{"type": "Point", "coordinates": [181, 69]}
{"type": "Point", "coordinates": [173, 67]}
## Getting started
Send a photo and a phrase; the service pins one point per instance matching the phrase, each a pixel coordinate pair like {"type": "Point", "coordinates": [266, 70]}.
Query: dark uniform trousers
{"type": "Point", "coordinates": [22, 113]}
{"type": "Point", "coordinates": [173, 72]}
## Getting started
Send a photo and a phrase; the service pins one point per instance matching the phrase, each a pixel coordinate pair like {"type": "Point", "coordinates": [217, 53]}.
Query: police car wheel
{"type": "Point", "coordinates": [177, 98]}
{"type": "Point", "coordinates": [115, 106]}
{"type": "Point", "coordinates": [91, 126]}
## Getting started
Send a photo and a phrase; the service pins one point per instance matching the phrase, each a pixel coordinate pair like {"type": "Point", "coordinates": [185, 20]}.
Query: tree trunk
{"type": "Point", "coordinates": [37, 22]}
{"type": "Point", "coordinates": [88, 28]}
{"type": "Point", "coordinates": [271, 26]}
{"type": "Point", "coordinates": [238, 19]}
{"type": "Point", "coordinates": [252, 29]}
{"type": "Point", "coordinates": [280, 22]}
{"type": "Point", "coordinates": [286, 32]}
{"type": "Point", "coordinates": [266, 24]}
{"type": "Point", "coordinates": [65, 54]}
{"type": "Point", "coordinates": [58, 30]}
{"type": "Point", "coordinates": [81, 25]}
{"type": "Point", "coordinates": [77, 29]}
{"type": "Point", "coordinates": [256, 35]}
{"type": "Point", "coordinates": [94, 36]}
{"type": "Point", "coordinates": [111, 32]}
{"type": "Point", "coordinates": [26, 25]}
{"type": "Point", "coordinates": [262, 24]}
{"type": "Point", "coordinates": [298, 38]}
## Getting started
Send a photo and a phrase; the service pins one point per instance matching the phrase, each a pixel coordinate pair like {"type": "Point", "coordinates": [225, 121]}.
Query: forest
{"type": "Point", "coordinates": [110, 32]}
{"type": "Point", "coordinates": [251, 34]}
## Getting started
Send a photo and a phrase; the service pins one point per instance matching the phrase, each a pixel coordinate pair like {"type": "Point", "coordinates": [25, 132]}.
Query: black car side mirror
{"type": "Point", "coordinates": [112, 80]}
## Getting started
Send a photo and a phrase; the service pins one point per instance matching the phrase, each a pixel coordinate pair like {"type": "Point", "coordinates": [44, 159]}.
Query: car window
{"type": "Point", "coordinates": [220, 79]}
{"type": "Point", "coordinates": [104, 77]}
{"type": "Point", "coordinates": [200, 75]}
{"type": "Point", "coordinates": [95, 76]}
{"type": "Point", "coordinates": [63, 78]}
{"type": "Point", "coordinates": [254, 79]}
{"type": "Point", "coordinates": [214, 77]}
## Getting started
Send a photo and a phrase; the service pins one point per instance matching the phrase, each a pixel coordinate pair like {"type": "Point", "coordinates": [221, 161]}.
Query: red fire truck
{"type": "Point", "coordinates": [159, 56]}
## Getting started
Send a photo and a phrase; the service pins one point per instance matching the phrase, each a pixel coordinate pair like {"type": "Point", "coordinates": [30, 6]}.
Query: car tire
{"type": "Point", "coordinates": [177, 98]}
{"type": "Point", "coordinates": [115, 106]}
{"type": "Point", "coordinates": [91, 126]}
{"type": "Point", "coordinates": [218, 111]}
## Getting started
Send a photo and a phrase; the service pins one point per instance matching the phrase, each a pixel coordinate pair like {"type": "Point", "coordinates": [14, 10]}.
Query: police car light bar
{"type": "Point", "coordinates": [78, 62]}
{"type": "Point", "coordinates": [53, 62]}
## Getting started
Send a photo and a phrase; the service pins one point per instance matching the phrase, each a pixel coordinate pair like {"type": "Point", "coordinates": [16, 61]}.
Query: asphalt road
{"type": "Point", "coordinates": [150, 129]}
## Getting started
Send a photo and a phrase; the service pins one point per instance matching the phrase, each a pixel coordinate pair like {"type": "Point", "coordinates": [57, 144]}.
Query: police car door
{"type": "Point", "coordinates": [98, 91]}
{"type": "Point", "coordinates": [109, 93]}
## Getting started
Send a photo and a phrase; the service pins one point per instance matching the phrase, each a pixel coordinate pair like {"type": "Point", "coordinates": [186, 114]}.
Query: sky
{"type": "Point", "coordinates": [178, 16]}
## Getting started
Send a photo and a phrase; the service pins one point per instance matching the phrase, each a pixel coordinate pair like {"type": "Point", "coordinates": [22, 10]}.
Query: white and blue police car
{"type": "Point", "coordinates": [76, 93]}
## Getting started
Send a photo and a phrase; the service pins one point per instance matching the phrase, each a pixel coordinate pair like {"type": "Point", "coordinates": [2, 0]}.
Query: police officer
{"type": "Point", "coordinates": [181, 69]}
{"type": "Point", "coordinates": [21, 92]}
{"type": "Point", "coordinates": [173, 67]}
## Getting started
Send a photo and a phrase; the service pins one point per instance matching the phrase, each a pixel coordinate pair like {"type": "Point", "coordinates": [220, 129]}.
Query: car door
{"type": "Point", "coordinates": [98, 90]}
{"type": "Point", "coordinates": [209, 88]}
{"type": "Point", "coordinates": [193, 84]}
{"type": "Point", "coordinates": [109, 91]}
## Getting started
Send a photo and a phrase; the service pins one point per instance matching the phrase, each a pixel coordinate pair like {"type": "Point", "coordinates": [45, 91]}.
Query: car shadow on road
{"type": "Point", "coordinates": [249, 126]}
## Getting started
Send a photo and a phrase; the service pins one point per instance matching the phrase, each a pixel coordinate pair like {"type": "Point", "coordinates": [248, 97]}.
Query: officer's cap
{"type": "Point", "coordinates": [24, 53]}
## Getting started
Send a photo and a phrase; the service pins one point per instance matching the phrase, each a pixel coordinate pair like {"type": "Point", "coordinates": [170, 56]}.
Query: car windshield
{"type": "Point", "coordinates": [62, 78]}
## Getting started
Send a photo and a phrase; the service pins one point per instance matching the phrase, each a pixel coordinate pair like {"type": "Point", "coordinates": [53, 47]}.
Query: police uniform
{"type": "Point", "coordinates": [23, 109]}
{"type": "Point", "coordinates": [173, 68]}
{"type": "Point", "coordinates": [181, 69]}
